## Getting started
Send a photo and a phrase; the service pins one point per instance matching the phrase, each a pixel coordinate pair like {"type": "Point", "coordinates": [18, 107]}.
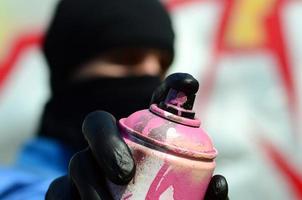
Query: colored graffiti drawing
{"type": "Point", "coordinates": [241, 32]}
{"type": "Point", "coordinates": [267, 36]}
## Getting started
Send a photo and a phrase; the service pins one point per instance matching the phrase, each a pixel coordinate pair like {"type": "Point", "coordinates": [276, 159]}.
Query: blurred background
{"type": "Point", "coordinates": [247, 56]}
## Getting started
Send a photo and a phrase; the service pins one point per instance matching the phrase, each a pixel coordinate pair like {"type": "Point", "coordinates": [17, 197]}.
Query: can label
{"type": "Point", "coordinates": [162, 176]}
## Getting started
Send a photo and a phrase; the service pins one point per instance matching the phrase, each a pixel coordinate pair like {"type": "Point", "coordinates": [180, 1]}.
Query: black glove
{"type": "Point", "coordinates": [108, 156]}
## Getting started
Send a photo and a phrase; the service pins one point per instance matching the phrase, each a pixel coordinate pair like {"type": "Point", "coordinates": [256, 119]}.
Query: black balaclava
{"type": "Point", "coordinates": [82, 30]}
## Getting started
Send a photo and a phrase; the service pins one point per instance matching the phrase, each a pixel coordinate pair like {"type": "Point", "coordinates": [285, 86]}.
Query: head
{"type": "Point", "coordinates": [103, 55]}
{"type": "Point", "coordinates": [109, 36]}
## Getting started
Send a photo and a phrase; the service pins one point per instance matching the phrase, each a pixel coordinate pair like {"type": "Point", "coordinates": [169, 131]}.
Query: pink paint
{"type": "Point", "coordinates": [180, 99]}
{"type": "Point", "coordinates": [179, 180]}
{"type": "Point", "coordinates": [174, 155]}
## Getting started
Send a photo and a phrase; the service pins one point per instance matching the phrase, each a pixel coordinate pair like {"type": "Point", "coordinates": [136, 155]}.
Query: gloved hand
{"type": "Point", "coordinates": [108, 156]}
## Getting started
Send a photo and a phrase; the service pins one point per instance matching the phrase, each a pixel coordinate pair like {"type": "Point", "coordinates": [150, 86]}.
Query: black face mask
{"type": "Point", "coordinates": [66, 110]}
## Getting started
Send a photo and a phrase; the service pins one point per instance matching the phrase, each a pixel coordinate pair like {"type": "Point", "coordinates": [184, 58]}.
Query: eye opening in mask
{"type": "Point", "coordinates": [124, 62]}
{"type": "Point", "coordinates": [134, 56]}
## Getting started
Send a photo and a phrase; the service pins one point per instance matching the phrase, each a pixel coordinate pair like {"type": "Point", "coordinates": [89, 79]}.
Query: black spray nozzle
{"type": "Point", "coordinates": [182, 82]}
{"type": "Point", "coordinates": [181, 89]}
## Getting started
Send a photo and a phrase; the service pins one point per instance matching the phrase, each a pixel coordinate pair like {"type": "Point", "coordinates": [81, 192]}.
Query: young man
{"type": "Point", "coordinates": [103, 55]}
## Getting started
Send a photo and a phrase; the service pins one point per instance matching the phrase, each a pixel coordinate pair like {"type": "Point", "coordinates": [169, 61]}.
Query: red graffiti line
{"type": "Point", "coordinates": [277, 44]}
{"type": "Point", "coordinates": [21, 43]}
{"type": "Point", "coordinates": [294, 178]}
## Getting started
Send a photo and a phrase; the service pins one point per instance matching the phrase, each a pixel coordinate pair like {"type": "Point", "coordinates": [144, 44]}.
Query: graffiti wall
{"type": "Point", "coordinates": [247, 57]}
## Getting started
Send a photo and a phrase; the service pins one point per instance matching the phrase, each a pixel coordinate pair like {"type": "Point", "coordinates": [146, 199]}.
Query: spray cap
{"type": "Point", "coordinates": [179, 100]}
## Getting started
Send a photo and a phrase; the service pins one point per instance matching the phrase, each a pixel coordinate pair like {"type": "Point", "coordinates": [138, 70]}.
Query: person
{"type": "Point", "coordinates": [103, 55]}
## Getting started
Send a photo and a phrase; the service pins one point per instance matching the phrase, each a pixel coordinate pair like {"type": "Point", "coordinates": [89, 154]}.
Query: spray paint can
{"type": "Point", "coordinates": [174, 155]}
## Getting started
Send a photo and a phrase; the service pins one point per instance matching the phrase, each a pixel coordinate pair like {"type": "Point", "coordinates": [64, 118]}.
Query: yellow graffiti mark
{"type": "Point", "coordinates": [247, 28]}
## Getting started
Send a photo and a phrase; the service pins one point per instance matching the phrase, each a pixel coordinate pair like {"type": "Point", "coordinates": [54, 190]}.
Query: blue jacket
{"type": "Point", "coordinates": [41, 161]}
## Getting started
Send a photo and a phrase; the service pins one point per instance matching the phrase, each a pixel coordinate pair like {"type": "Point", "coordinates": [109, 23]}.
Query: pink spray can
{"type": "Point", "coordinates": [174, 155]}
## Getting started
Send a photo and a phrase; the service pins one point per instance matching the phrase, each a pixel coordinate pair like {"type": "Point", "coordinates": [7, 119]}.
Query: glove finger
{"type": "Point", "coordinates": [217, 189]}
{"type": "Point", "coordinates": [108, 147]}
{"type": "Point", "coordinates": [59, 189]}
{"type": "Point", "coordinates": [179, 81]}
{"type": "Point", "coordinates": [87, 177]}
